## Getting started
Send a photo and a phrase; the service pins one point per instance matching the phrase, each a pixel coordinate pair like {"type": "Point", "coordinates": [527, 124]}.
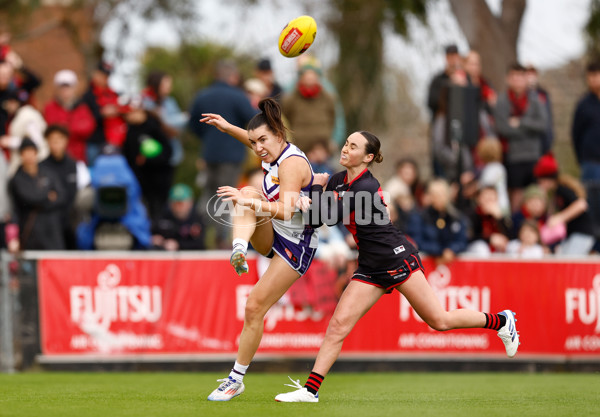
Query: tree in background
{"type": "Point", "coordinates": [191, 67]}
{"type": "Point", "coordinates": [494, 37]}
{"type": "Point", "coordinates": [84, 20]}
{"type": "Point", "coordinates": [358, 74]}
{"type": "Point", "coordinates": [592, 30]}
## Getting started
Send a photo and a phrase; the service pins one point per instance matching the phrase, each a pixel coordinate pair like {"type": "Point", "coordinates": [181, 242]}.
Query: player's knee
{"type": "Point", "coordinates": [338, 328]}
{"type": "Point", "coordinates": [439, 323]}
{"type": "Point", "coordinates": [254, 311]}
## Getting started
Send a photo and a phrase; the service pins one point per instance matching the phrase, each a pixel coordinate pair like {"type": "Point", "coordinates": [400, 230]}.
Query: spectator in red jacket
{"type": "Point", "coordinates": [103, 102]}
{"type": "Point", "coordinates": [68, 110]}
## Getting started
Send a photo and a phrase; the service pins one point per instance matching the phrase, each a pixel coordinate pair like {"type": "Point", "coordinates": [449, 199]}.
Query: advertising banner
{"type": "Point", "coordinates": [196, 306]}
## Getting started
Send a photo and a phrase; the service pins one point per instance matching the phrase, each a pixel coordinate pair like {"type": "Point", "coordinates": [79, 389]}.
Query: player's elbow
{"type": "Point", "coordinates": [286, 213]}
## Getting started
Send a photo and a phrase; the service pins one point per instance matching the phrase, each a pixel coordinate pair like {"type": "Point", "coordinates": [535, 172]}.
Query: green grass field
{"type": "Point", "coordinates": [356, 395]}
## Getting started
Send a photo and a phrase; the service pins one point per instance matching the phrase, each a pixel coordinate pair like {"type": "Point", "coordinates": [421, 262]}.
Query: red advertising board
{"type": "Point", "coordinates": [196, 306]}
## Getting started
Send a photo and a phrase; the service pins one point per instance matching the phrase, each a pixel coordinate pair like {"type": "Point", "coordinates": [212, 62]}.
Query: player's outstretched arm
{"type": "Point", "coordinates": [224, 126]}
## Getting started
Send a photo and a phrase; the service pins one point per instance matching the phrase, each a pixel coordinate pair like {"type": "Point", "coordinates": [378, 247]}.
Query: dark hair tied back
{"type": "Point", "coordinates": [270, 115]}
{"type": "Point", "coordinates": [373, 146]}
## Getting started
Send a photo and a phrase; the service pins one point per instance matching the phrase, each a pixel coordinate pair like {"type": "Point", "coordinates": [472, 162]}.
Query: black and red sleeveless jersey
{"type": "Point", "coordinates": [360, 206]}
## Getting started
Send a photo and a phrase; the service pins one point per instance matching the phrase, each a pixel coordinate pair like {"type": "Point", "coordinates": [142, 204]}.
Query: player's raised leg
{"type": "Point", "coordinates": [356, 300]}
{"type": "Point", "coordinates": [246, 223]}
{"type": "Point", "coordinates": [422, 298]}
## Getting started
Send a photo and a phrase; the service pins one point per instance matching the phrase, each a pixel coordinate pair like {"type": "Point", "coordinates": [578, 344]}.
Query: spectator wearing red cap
{"type": "Point", "coordinates": [567, 207]}
{"type": "Point", "coordinates": [67, 110]}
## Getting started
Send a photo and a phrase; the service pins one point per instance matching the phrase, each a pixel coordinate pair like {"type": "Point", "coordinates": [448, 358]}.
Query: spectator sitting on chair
{"type": "Point", "coordinates": [528, 244]}
{"type": "Point", "coordinates": [567, 207]}
{"type": "Point", "coordinates": [39, 201]}
{"type": "Point", "coordinates": [180, 227]}
{"type": "Point", "coordinates": [403, 210]}
{"type": "Point", "coordinates": [443, 232]}
{"type": "Point", "coordinates": [407, 173]}
{"type": "Point", "coordinates": [490, 225]}
{"type": "Point", "coordinates": [534, 207]}
{"type": "Point", "coordinates": [493, 172]}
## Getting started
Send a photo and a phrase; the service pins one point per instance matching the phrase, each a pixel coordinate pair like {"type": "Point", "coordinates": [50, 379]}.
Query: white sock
{"type": "Point", "coordinates": [240, 244]}
{"type": "Point", "coordinates": [238, 372]}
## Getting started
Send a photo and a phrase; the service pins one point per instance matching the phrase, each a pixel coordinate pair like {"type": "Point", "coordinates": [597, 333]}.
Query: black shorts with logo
{"type": "Point", "coordinates": [392, 278]}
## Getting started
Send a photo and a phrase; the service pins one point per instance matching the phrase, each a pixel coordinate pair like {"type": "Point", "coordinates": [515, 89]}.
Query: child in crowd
{"type": "Point", "coordinates": [493, 173]}
{"type": "Point", "coordinates": [568, 207]}
{"type": "Point", "coordinates": [528, 244]}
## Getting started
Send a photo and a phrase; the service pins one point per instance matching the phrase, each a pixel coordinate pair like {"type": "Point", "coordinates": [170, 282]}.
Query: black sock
{"type": "Point", "coordinates": [494, 321]}
{"type": "Point", "coordinates": [313, 383]}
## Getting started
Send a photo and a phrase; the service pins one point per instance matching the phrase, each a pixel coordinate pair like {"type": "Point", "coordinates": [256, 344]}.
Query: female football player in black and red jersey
{"type": "Point", "coordinates": [386, 261]}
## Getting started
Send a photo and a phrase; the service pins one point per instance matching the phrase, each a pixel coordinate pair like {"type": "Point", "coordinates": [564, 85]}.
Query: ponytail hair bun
{"type": "Point", "coordinates": [373, 146]}
{"type": "Point", "coordinates": [270, 115]}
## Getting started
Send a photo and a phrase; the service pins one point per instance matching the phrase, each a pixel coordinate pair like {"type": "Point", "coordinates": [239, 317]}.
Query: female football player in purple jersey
{"type": "Point", "coordinates": [269, 220]}
{"type": "Point", "coordinates": [386, 261]}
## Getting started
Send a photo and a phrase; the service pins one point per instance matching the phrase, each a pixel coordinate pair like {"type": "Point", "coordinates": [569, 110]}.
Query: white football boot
{"type": "Point", "coordinates": [229, 389]}
{"type": "Point", "coordinates": [509, 334]}
{"type": "Point", "coordinates": [301, 395]}
{"type": "Point", "coordinates": [238, 261]}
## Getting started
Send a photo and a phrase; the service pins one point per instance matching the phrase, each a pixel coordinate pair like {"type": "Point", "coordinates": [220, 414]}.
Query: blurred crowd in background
{"type": "Point", "coordinates": [96, 170]}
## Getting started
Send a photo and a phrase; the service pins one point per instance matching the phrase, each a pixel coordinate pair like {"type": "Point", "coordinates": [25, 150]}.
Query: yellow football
{"type": "Point", "coordinates": [297, 36]}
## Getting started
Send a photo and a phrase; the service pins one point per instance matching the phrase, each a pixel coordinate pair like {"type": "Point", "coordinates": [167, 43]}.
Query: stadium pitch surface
{"type": "Point", "coordinates": [343, 394]}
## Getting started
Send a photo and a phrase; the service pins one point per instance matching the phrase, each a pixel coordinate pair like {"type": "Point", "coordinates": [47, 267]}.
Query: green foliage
{"type": "Point", "coordinates": [358, 75]}
{"type": "Point", "coordinates": [191, 66]}
{"type": "Point", "coordinates": [14, 14]}
{"type": "Point", "coordinates": [402, 9]}
{"type": "Point", "coordinates": [592, 30]}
